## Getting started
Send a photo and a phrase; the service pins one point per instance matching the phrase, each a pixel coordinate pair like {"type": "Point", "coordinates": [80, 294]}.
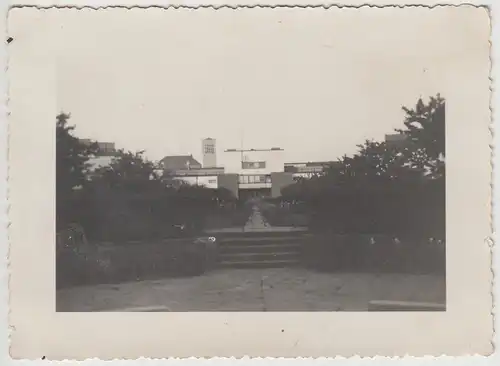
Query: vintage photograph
{"type": "Point", "coordinates": [273, 181]}
{"type": "Point", "coordinates": [167, 202]}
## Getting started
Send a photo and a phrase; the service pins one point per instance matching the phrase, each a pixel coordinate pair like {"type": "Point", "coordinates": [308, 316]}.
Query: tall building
{"type": "Point", "coordinates": [209, 153]}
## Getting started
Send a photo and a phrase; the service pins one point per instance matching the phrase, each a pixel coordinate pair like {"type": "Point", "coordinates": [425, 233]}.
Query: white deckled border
{"type": "Point", "coordinates": [129, 3]}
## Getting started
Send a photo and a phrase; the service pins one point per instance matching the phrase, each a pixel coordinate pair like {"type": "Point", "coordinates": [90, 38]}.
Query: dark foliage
{"type": "Point", "coordinates": [393, 189]}
{"type": "Point", "coordinates": [71, 166]}
{"type": "Point", "coordinates": [127, 200]}
{"type": "Point", "coordinates": [130, 262]}
{"type": "Point", "coordinates": [374, 254]}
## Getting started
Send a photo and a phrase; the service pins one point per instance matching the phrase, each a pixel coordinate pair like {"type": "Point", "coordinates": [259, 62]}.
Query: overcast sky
{"type": "Point", "coordinates": [315, 82]}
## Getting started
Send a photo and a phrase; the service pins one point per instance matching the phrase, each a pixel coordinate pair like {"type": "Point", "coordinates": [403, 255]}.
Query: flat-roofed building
{"type": "Point", "coordinates": [396, 140]}
{"type": "Point", "coordinates": [308, 169]}
{"type": "Point", "coordinates": [106, 152]}
{"type": "Point", "coordinates": [246, 172]}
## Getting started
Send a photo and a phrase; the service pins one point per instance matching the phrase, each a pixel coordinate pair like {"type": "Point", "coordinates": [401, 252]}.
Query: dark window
{"type": "Point", "coordinates": [254, 179]}
{"type": "Point", "coordinates": [253, 164]}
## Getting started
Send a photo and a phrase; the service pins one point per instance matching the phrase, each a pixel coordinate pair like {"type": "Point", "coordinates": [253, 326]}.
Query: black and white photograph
{"type": "Point", "coordinates": [211, 162]}
{"type": "Point", "coordinates": [173, 202]}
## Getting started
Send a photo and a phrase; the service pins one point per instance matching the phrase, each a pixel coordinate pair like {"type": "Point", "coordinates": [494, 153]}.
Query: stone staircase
{"type": "Point", "coordinates": [260, 249]}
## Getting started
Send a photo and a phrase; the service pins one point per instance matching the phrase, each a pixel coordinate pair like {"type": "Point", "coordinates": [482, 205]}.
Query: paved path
{"type": "Point", "coordinates": [256, 222]}
{"type": "Point", "coordinates": [257, 290]}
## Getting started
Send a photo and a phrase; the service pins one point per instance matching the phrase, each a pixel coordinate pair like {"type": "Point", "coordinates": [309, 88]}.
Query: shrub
{"type": "Point", "coordinates": [358, 253]}
{"type": "Point", "coordinates": [116, 263]}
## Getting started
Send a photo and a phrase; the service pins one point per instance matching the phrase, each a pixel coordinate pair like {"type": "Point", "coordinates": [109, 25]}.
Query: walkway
{"type": "Point", "coordinates": [256, 222]}
{"type": "Point", "coordinates": [287, 289]}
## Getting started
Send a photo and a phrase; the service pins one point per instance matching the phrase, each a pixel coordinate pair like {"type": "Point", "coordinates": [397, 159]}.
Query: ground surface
{"type": "Point", "coordinates": [291, 289]}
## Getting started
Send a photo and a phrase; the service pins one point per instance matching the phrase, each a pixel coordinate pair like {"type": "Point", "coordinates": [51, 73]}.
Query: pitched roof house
{"type": "Point", "coordinates": [179, 162]}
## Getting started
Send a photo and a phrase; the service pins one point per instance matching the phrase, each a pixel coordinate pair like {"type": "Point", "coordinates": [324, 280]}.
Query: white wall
{"type": "Point", "coordinates": [99, 162]}
{"type": "Point", "coordinates": [254, 185]}
{"type": "Point", "coordinates": [210, 181]}
{"type": "Point", "coordinates": [275, 161]}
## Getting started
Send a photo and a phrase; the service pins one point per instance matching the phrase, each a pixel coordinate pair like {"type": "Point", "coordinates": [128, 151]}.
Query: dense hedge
{"type": "Point", "coordinates": [116, 263]}
{"type": "Point", "coordinates": [285, 216]}
{"type": "Point", "coordinates": [114, 215]}
{"type": "Point", "coordinates": [408, 211]}
{"type": "Point", "coordinates": [374, 254]}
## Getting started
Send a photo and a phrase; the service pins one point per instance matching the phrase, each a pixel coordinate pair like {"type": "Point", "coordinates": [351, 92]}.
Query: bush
{"type": "Point", "coordinates": [356, 253]}
{"type": "Point", "coordinates": [415, 211]}
{"type": "Point", "coordinates": [293, 215]}
{"type": "Point", "coordinates": [116, 263]}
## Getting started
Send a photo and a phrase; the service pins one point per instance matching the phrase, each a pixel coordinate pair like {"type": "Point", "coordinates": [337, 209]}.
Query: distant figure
{"type": "Point", "coordinates": [396, 241]}
{"type": "Point", "coordinates": [372, 240]}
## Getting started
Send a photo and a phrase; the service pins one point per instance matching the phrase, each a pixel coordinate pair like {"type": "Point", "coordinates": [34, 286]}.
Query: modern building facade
{"type": "Point", "coordinates": [246, 172]}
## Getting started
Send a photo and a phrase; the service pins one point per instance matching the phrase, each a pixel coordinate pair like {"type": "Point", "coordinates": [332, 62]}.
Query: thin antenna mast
{"type": "Point", "coordinates": [241, 143]}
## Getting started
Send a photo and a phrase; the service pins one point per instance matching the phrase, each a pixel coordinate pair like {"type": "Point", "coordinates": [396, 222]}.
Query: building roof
{"type": "Point", "coordinates": [103, 148]}
{"type": "Point", "coordinates": [199, 172]}
{"type": "Point", "coordinates": [396, 137]}
{"type": "Point", "coordinates": [312, 163]}
{"type": "Point", "coordinates": [179, 162]}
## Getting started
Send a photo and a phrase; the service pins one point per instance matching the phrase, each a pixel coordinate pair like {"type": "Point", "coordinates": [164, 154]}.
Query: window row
{"type": "Point", "coordinates": [253, 164]}
{"type": "Point", "coordinates": [252, 179]}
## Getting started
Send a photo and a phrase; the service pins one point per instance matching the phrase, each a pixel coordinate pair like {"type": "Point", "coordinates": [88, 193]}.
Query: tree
{"type": "Point", "coordinates": [385, 187]}
{"type": "Point", "coordinates": [375, 163]}
{"type": "Point", "coordinates": [426, 131]}
{"type": "Point", "coordinates": [72, 158]}
{"type": "Point", "coordinates": [130, 171]}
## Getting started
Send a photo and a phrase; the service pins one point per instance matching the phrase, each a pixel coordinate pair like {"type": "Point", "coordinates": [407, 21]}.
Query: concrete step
{"type": "Point", "coordinates": [226, 242]}
{"type": "Point", "coordinates": [261, 248]}
{"type": "Point", "coordinates": [272, 231]}
{"type": "Point", "coordinates": [259, 264]}
{"type": "Point", "coordinates": [259, 257]}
